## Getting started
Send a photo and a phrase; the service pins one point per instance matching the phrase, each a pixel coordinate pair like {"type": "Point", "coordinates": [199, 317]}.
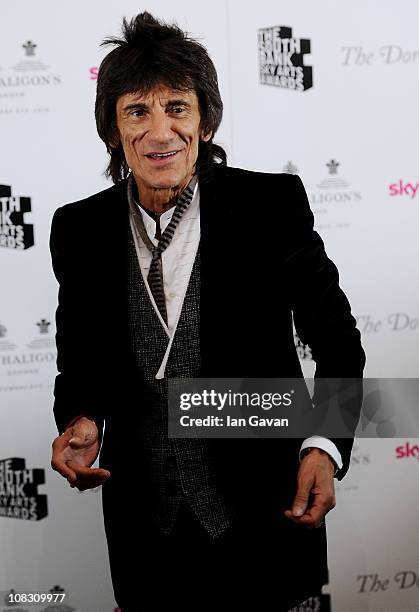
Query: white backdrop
{"type": "Point", "coordinates": [352, 137]}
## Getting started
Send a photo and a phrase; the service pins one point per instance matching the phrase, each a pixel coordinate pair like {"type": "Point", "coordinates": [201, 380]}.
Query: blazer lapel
{"type": "Point", "coordinates": [217, 272]}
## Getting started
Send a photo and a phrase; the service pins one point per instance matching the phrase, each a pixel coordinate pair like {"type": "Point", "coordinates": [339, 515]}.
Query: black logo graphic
{"type": "Point", "coordinates": [19, 496]}
{"type": "Point", "coordinates": [3, 330]}
{"type": "Point", "coordinates": [43, 326]}
{"type": "Point", "coordinates": [14, 232]}
{"type": "Point", "coordinates": [29, 47]}
{"type": "Point", "coordinates": [281, 59]}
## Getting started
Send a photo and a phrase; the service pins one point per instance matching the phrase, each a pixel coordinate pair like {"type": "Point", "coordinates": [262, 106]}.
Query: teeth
{"type": "Point", "coordinates": [163, 154]}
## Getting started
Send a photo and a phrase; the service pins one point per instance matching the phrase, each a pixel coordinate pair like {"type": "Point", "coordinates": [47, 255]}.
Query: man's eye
{"type": "Point", "coordinates": [137, 113]}
{"type": "Point", "coordinates": [178, 109]}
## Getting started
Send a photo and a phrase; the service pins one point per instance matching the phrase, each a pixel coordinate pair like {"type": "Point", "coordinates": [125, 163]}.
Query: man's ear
{"type": "Point", "coordinates": [206, 137]}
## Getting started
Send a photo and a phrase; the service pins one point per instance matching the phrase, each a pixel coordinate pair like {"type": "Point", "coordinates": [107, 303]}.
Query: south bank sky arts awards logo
{"type": "Point", "coordinates": [19, 496]}
{"type": "Point", "coordinates": [24, 83]}
{"type": "Point", "coordinates": [281, 59]}
{"type": "Point", "coordinates": [15, 232]}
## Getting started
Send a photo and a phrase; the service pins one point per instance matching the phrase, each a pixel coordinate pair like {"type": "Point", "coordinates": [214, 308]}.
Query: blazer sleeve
{"type": "Point", "coordinates": [72, 396]}
{"type": "Point", "coordinates": [323, 320]}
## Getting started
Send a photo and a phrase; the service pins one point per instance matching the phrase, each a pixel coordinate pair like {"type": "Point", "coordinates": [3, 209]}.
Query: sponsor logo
{"type": "Point", "coordinates": [387, 54]}
{"type": "Point", "coordinates": [93, 72]}
{"type": "Point", "coordinates": [22, 84]}
{"type": "Point", "coordinates": [45, 339]}
{"type": "Point", "coordinates": [43, 325]}
{"type": "Point", "coordinates": [14, 232]}
{"type": "Point", "coordinates": [333, 199]}
{"type": "Point", "coordinates": [281, 59]}
{"type": "Point", "coordinates": [290, 168]}
{"type": "Point", "coordinates": [5, 345]}
{"type": "Point", "coordinates": [20, 371]}
{"type": "Point", "coordinates": [375, 583]}
{"type": "Point", "coordinates": [401, 188]}
{"type": "Point", "coordinates": [407, 451]}
{"type": "Point", "coordinates": [394, 322]}
{"type": "Point", "coordinates": [19, 497]}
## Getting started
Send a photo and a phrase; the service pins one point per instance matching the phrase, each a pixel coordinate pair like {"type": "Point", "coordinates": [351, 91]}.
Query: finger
{"type": "Point", "coordinates": [304, 521]}
{"type": "Point", "coordinates": [90, 482]}
{"type": "Point", "coordinates": [301, 498]}
{"type": "Point", "coordinates": [62, 468]}
{"type": "Point", "coordinates": [57, 462]}
{"type": "Point", "coordinates": [82, 485]}
{"type": "Point", "coordinates": [313, 517]}
{"type": "Point", "coordinates": [88, 473]}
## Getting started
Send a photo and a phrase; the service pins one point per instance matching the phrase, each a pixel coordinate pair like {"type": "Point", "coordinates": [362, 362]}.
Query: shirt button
{"type": "Point", "coordinates": [172, 295]}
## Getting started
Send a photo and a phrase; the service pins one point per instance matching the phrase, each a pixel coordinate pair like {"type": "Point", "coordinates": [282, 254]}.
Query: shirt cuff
{"type": "Point", "coordinates": [325, 444]}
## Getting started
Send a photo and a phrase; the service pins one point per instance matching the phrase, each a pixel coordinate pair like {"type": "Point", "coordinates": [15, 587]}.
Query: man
{"type": "Point", "coordinates": [173, 272]}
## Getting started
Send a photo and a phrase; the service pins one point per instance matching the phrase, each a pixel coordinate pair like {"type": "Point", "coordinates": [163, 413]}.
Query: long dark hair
{"type": "Point", "coordinates": [152, 53]}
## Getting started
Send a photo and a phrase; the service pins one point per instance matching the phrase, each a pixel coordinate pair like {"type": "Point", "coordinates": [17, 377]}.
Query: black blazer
{"type": "Point", "coordinates": [247, 305]}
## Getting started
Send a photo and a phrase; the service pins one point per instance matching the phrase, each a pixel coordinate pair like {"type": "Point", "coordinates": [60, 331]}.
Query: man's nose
{"type": "Point", "coordinates": [160, 129]}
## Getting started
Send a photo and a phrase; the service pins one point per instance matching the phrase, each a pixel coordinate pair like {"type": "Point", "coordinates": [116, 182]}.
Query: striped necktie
{"type": "Point", "coordinates": [155, 274]}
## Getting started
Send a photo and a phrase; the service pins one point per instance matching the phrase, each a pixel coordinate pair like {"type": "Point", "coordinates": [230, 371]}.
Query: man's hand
{"type": "Point", "coordinates": [316, 492]}
{"type": "Point", "coordinates": [74, 452]}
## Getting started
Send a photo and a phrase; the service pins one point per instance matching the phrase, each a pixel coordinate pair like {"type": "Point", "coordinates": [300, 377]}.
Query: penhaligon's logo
{"type": "Point", "coordinates": [43, 326]}
{"type": "Point", "coordinates": [333, 181]}
{"type": "Point", "coordinates": [281, 59]}
{"type": "Point", "coordinates": [29, 47]}
{"type": "Point", "coordinates": [334, 188]}
{"type": "Point", "coordinates": [25, 84]}
{"type": "Point", "coordinates": [14, 232]}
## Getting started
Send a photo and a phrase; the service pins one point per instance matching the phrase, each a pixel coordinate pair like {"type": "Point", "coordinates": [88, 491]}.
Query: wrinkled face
{"type": "Point", "coordinates": [160, 134]}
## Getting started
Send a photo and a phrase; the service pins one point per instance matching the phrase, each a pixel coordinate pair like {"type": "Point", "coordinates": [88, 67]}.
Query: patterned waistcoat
{"type": "Point", "coordinates": [177, 468]}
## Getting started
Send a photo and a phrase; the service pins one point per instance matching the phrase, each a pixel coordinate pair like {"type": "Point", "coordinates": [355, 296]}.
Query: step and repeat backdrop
{"type": "Point", "coordinates": [325, 90]}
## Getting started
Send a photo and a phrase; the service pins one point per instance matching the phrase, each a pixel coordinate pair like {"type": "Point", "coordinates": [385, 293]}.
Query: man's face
{"type": "Point", "coordinates": [164, 121]}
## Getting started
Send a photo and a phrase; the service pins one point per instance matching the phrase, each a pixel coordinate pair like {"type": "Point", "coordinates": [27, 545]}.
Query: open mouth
{"type": "Point", "coordinates": [162, 156]}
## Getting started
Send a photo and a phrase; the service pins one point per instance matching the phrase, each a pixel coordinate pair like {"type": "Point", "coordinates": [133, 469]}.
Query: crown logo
{"type": "Point", "coordinates": [57, 589]}
{"type": "Point", "coordinates": [29, 47]}
{"type": "Point", "coordinates": [333, 166]}
{"type": "Point", "coordinates": [290, 168]}
{"type": "Point", "coordinates": [43, 325]}
{"type": "Point", "coordinates": [3, 331]}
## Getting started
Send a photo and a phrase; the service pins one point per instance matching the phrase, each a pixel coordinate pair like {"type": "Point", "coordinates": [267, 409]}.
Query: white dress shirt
{"type": "Point", "coordinates": [177, 262]}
